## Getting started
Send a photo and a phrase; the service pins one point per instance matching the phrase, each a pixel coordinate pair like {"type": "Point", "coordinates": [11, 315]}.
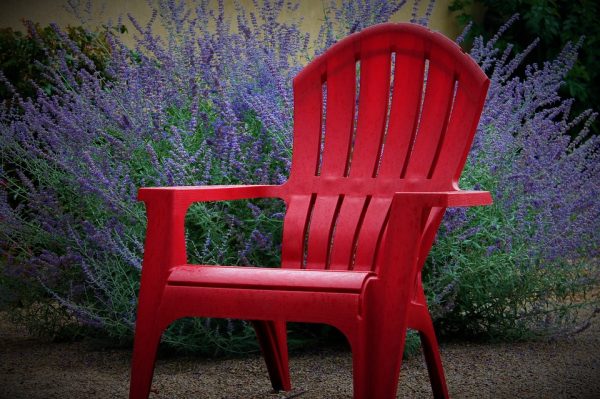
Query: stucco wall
{"type": "Point", "coordinates": [46, 11]}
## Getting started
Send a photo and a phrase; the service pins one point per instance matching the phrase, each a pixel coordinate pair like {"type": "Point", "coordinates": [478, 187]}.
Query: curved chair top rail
{"type": "Point", "coordinates": [468, 66]}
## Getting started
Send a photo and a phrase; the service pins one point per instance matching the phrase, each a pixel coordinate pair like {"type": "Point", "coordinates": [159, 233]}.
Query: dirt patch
{"type": "Point", "coordinates": [566, 368]}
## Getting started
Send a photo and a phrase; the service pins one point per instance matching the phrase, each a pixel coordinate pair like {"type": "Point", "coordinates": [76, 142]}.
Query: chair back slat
{"type": "Point", "coordinates": [307, 126]}
{"type": "Point", "coordinates": [374, 94]}
{"type": "Point", "coordinates": [299, 209]}
{"type": "Point", "coordinates": [438, 95]}
{"type": "Point", "coordinates": [351, 216]}
{"type": "Point", "coordinates": [371, 234]}
{"type": "Point", "coordinates": [455, 148]}
{"type": "Point", "coordinates": [321, 229]}
{"type": "Point", "coordinates": [339, 111]}
{"type": "Point", "coordinates": [406, 103]}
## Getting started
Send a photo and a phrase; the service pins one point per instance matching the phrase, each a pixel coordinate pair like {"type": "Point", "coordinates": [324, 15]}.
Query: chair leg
{"type": "Point", "coordinates": [272, 337]}
{"type": "Point", "coordinates": [147, 338]}
{"type": "Point", "coordinates": [376, 362]}
{"type": "Point", "coordinates": [431, 351]}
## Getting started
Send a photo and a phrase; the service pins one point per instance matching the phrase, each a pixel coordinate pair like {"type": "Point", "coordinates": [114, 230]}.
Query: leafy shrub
{"type": "Point", "coordinates": [25, 57]}
{"type": "Point", "coordinates": [519, 267]}
{"type": "Point", "coordinates": [208, 106]}
{"type": "Point", "coordinates": [554, 24]}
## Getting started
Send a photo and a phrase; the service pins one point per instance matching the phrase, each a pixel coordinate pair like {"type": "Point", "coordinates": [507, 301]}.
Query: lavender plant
{"type": "Point", "coordinates": [522, 266]}
{"type": "Point", "coordinates": [170, 113]}
{"type": "Point", "coordinates": [211, 103]}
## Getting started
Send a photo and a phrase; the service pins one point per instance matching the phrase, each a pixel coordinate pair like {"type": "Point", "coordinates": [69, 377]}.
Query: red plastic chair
{"type": "Point", "coordinates": [362, 212]}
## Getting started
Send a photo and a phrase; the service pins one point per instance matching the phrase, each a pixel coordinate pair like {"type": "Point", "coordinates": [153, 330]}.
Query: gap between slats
{"type": "Point", "coordinates": [311, 206]}
{"type": "Point", "coordinates": [336, 214]}
{"type": "Point", "coordinates": [323, 124]}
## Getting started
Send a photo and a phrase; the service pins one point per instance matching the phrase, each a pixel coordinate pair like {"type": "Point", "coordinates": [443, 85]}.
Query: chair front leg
{"type": "Point", "coordinates": [147, 338]}
{"type": "Point", "coordinates": [164, 248]}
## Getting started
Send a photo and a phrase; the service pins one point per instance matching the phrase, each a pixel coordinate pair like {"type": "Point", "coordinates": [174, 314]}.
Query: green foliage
{"type": "Point", "coordinates": [227, 232]}
{"type": "Point", "coordinates": [485, 283]}
{"type": "Point", "coordinates": [24, 56]}
{"type": "Point", "coordinates": [555, 23]}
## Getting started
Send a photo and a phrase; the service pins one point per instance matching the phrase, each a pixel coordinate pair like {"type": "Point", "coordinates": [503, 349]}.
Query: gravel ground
{"type": "Point", "coordinates": [34, 369]}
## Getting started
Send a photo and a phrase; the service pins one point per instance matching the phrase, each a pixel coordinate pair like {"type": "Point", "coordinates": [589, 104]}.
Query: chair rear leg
{"type": "Point", "coordinates": [147, 338]}
{"type": "Point", "coordinates": [272, 337]}
{"type": "Point", "coordinates": [431, 351]}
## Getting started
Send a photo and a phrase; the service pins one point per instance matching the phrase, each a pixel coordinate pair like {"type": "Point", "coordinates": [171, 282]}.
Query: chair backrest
{"type": "Point", "coordinates": [392, 108]}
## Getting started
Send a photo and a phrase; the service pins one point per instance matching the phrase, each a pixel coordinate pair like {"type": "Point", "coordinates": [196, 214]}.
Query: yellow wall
{"type": "Point", "coordinates": [46, 11]}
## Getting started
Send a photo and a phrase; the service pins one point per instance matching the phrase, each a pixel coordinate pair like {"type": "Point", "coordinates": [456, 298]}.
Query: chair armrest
{"type": "Point", "coordinates": [186, 195]}
{"type": "Point", "coordinates": [166, 208]}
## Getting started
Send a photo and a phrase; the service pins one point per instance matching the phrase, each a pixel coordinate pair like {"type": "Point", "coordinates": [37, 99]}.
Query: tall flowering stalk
{"type": "Point", "coordinates": [211, 103]}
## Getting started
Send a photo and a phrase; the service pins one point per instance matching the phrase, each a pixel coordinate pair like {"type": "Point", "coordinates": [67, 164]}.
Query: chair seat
{"type": "Point", "coordinates": [262, 278]}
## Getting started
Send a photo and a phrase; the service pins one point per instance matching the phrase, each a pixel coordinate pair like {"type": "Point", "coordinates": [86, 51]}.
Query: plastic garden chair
{"type": "Point", "coordinates": [370, 180]}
